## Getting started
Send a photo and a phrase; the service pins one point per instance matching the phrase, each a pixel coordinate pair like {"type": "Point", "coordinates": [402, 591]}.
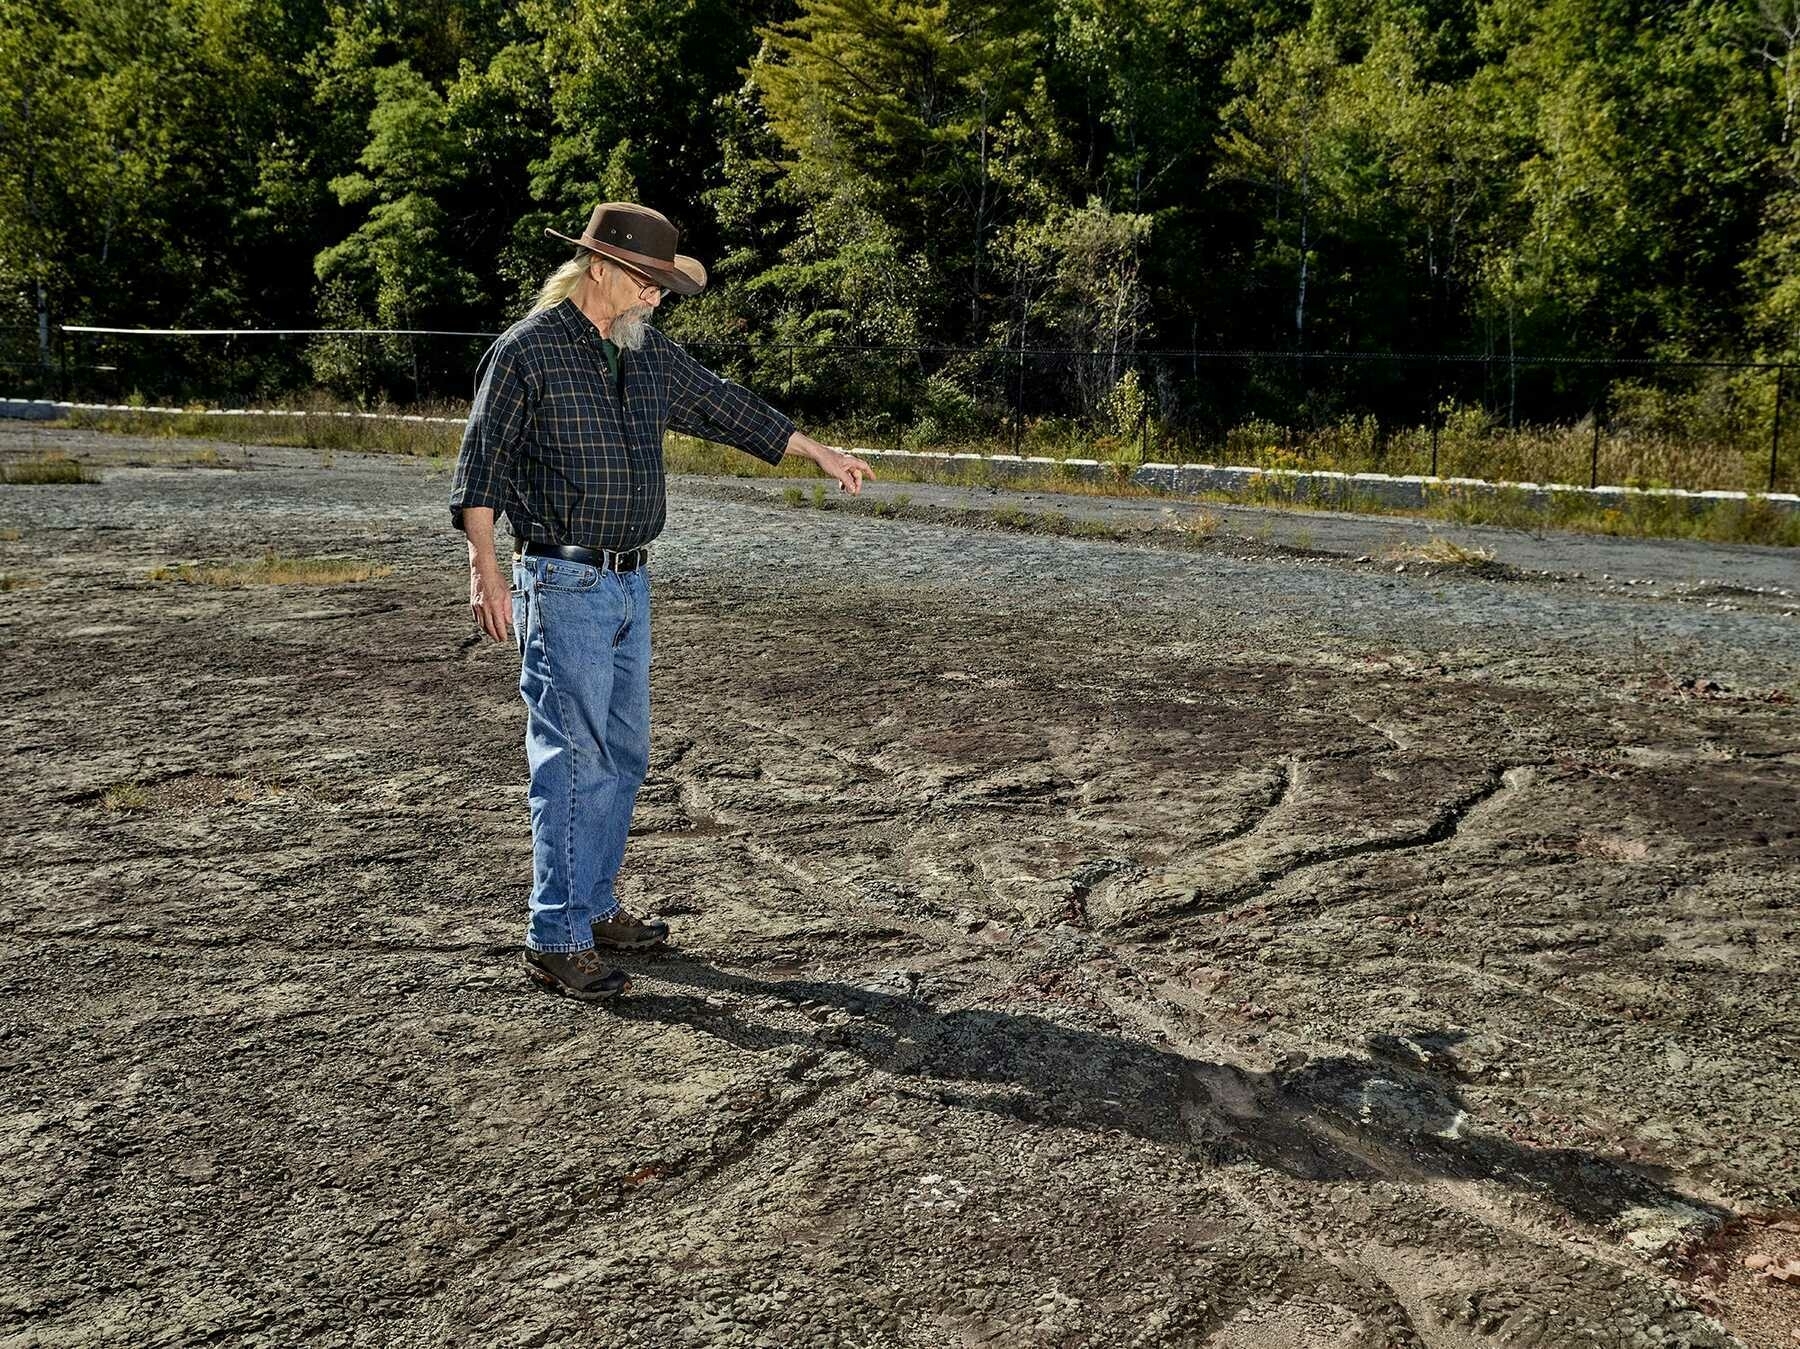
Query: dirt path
{"type": "Point", "coordinates": [1081, 944]}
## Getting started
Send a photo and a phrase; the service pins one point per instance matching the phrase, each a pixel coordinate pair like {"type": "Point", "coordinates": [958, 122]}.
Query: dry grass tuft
{"type": "Point", "coordinates": [1198, 525]}
{"type": "Point", "coordinates": [10, 582]}
{"type": "Point", "coordinates": [275, 570]}
{"type": "Point", "coordinates": [50, 468]}
{"type": "Point", "coordinates": [1438, 551]}
{"type": "Point", "coordinates": [10, 536]}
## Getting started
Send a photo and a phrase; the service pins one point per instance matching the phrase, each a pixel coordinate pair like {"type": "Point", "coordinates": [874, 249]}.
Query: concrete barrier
{"type": "Point", "coordinates": [32, 409]}
{"type": "Point", "coordinates": [1323, 487]}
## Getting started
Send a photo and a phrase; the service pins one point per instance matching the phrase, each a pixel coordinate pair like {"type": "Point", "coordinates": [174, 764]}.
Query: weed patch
{"type": "Point", "coordinates": [53, 468]}
{"type": "Point", "coordinates": [126, 797]}
{"type": "Point", "coordinates": [274, 569]}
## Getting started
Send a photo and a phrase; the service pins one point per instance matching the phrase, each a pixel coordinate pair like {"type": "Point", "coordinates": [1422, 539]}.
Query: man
{"type": "Point", "coordinates": [565, 436]}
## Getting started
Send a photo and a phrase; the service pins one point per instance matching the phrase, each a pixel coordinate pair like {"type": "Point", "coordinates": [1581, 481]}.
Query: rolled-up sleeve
{"type": "Point", "coordinates": [499, 420]}
{"type": "Point", "coordinates": [705, 405]}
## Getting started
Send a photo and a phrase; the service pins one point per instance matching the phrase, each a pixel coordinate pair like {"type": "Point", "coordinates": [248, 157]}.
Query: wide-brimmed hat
{"type": "Point", "coordinates": [642, 239]}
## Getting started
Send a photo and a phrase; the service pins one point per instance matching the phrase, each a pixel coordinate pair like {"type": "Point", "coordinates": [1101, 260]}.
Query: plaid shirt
{"type": "Point", "coordinates": [551, 443]}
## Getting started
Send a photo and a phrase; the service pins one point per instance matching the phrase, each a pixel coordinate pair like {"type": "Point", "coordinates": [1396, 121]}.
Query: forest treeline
{"type": "Point", "coordinates": [1548, 176]}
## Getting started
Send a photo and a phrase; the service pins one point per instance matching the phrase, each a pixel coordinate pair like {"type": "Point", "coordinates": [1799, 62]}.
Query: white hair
{"type": "Point", "coordinates": [561, 283]}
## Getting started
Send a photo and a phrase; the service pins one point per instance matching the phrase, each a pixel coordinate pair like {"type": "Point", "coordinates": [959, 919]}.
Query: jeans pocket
{"type": "Point", "coordinates": [561, 575]}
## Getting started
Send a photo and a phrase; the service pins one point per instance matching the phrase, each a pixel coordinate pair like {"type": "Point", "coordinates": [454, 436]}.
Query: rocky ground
{"type": "Point", "coordinates": [1206, 938]}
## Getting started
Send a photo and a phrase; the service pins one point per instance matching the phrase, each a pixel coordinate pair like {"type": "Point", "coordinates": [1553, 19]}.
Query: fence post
{"type": "Point", "coordinates": [1019, 397]}
{"type": "Point", "coordinates": [62, 357]}
{"type": "Point", "coordinates": [1594, 453]}
{"type": "Point", "coordinates": [1437, 417]}
{"type": "Point", "coordinates": [1144, 427]}
{"type": "Point", "coordinates": [1775, 434]}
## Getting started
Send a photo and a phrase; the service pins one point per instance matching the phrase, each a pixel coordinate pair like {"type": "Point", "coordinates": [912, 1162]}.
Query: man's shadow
{"type": "Point", "coordinates": [1335, 1118]}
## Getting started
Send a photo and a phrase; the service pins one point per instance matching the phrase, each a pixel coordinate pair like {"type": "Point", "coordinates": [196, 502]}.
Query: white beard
{"type": "Point", "coordinates": [627, 330]}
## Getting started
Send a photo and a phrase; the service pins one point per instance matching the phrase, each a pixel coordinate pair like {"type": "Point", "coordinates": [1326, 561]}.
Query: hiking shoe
{"type": "Point", "coordinates": [626, 932]}
{"type": "Point", "coordinates": [575, 974]}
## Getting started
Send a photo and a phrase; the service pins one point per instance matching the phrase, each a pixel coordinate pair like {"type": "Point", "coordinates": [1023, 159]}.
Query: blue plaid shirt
{"type": "Point", "coordinates": [554, 444]}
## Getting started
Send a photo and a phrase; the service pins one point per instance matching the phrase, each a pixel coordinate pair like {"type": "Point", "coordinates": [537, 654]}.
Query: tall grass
{"type": "Point", "coordinates": [311, 426]}
{"type": "Point", "coordinates": [1634, 450]}
{"type": "Point", "coordinates": [1469, 445]}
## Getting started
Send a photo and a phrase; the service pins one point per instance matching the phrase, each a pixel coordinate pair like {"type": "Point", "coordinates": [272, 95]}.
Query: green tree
{"type": "Point", "coordinates": [889, 114]}
{"type": "Point", "coordinates": [1278, 141]}
{"type": "Point", "coordinates": [1635, 138]}
{"type": "Point", "coordinates": [47, 159]}
{"type": "Point", "coordinates": [1772, 267]}
{"type": "Point", "coordinates": [400, 258]}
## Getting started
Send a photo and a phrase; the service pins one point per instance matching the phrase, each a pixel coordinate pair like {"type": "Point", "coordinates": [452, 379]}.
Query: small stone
{"type": "Point", "coordinates": [1757, 1262]}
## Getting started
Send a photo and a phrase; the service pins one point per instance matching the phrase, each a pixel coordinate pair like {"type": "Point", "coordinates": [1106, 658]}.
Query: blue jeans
{"type": "Point", "coordinates": [584, 673]}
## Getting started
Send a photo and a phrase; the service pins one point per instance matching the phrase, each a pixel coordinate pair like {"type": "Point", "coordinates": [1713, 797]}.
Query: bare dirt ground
{"type": "Point", "coordinates": [1080, 943]}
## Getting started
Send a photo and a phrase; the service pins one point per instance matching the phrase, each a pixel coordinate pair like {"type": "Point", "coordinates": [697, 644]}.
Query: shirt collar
{"type": "Point", "coordinates": [580, 328]}
{"type": "Point", "coordinates": [576, 324]}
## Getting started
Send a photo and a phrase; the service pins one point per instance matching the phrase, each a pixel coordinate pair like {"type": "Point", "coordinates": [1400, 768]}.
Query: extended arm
{"type": "Point", "coordinates": [702, 404]}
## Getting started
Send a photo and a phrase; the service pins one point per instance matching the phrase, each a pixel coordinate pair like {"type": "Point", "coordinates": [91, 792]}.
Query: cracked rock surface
{"type": "Point", "coordinates": [1079, 943]}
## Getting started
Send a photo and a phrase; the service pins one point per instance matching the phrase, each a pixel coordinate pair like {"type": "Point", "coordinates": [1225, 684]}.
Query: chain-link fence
{"type": "Point", "coordinates": [1692, 424]}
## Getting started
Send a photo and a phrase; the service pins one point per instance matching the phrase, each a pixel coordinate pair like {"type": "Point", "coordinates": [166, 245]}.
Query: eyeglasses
{"type": "Point", "coordinates": [644, 282]}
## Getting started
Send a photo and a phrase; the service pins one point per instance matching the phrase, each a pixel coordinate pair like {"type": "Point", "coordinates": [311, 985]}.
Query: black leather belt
{"type": "Point", "coordinates": [603, 558]}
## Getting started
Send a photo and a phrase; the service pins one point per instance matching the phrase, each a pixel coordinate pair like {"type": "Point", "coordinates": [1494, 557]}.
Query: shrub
{"type": "Point", "coordinates": [946, 413]}
{"type": "Point", "coordinates": [1125, 407]}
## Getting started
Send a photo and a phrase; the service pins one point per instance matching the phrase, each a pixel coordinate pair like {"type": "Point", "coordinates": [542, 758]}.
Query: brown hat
{"type": "Point", "coordinates": [642, 239]}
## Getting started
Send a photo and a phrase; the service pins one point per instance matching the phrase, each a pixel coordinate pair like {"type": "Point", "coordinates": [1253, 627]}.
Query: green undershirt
{"type": "Point", "coordinates": [610, 350]}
